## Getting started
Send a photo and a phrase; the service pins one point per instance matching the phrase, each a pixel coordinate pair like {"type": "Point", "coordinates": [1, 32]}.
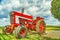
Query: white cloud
{"type": "Point", "coordinates": [0, 7]}
{"type": "Point", "coordinates": [15, 3]}
{"type": "Point", "coordinates": [47, 3]}
{"type": "Point", "coordinates": [52, 21]}
{"type": "Point", "coordinates": [4, 21]}
{"type": "Point", "coordinates": [25, 3]}
{"type": "Point", "coordinates": [33, 9]}
{"type": "Point", "coordinates": [9, 5]}
{"type": "Point", "coordinates": [25, 12]}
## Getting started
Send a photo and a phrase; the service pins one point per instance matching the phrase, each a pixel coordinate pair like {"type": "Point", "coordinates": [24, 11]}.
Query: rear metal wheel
{"type": "Point", "coordinates": [40, 27]}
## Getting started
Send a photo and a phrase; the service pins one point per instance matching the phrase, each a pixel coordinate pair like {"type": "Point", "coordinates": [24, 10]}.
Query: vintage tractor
{"type": "Point", "coordinates": [26, 23]}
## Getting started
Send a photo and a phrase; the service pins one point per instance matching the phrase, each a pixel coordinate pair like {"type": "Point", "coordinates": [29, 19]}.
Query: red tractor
{"type": "Point", "coordinates": [26, 23]}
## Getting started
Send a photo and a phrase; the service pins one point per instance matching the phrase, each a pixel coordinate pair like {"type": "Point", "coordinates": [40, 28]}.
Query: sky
{"type": "Point", "coordinates": [32, 7]}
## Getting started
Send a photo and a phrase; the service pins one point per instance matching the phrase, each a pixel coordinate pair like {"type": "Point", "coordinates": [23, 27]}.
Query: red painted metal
{"type": "Point", "coordinates": [22, 32]}
{"type": "Point", "coordinates": [41, 27]}
{"type": "Point", "coordinates": [22, 15]}
{"type": "Point", "coordinates": [27, 21]}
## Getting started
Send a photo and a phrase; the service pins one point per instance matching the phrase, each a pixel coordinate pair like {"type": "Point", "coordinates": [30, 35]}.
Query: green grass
{"type": "Point", "coordinates": [29, 36]}
{"type": "Point", "coordinates": [52, 27]}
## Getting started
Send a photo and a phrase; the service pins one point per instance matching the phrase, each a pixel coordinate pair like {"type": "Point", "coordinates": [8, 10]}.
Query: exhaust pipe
{"type": "Point", "coordinates": [22, 11]}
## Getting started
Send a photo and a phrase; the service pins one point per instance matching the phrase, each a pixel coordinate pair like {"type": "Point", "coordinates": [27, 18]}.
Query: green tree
{"type": "Point", "coordinates": [55, 8]}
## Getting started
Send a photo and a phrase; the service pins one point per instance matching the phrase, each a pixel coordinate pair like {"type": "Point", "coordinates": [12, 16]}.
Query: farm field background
{"type": "Point", "coordinates": [35, 36]}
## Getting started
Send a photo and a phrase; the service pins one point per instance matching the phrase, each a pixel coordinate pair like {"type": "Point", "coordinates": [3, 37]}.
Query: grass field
{"type": "Point", "coordinates": [52, 28]}
{"type": "Point", "coordinates": [29, 36]}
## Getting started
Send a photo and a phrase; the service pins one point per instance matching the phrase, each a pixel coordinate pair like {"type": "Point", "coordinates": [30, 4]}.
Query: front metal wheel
{"type": "Point", "coordinates": [20, 32]}
{"type": "Point", "coordinates": [6, 30]}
